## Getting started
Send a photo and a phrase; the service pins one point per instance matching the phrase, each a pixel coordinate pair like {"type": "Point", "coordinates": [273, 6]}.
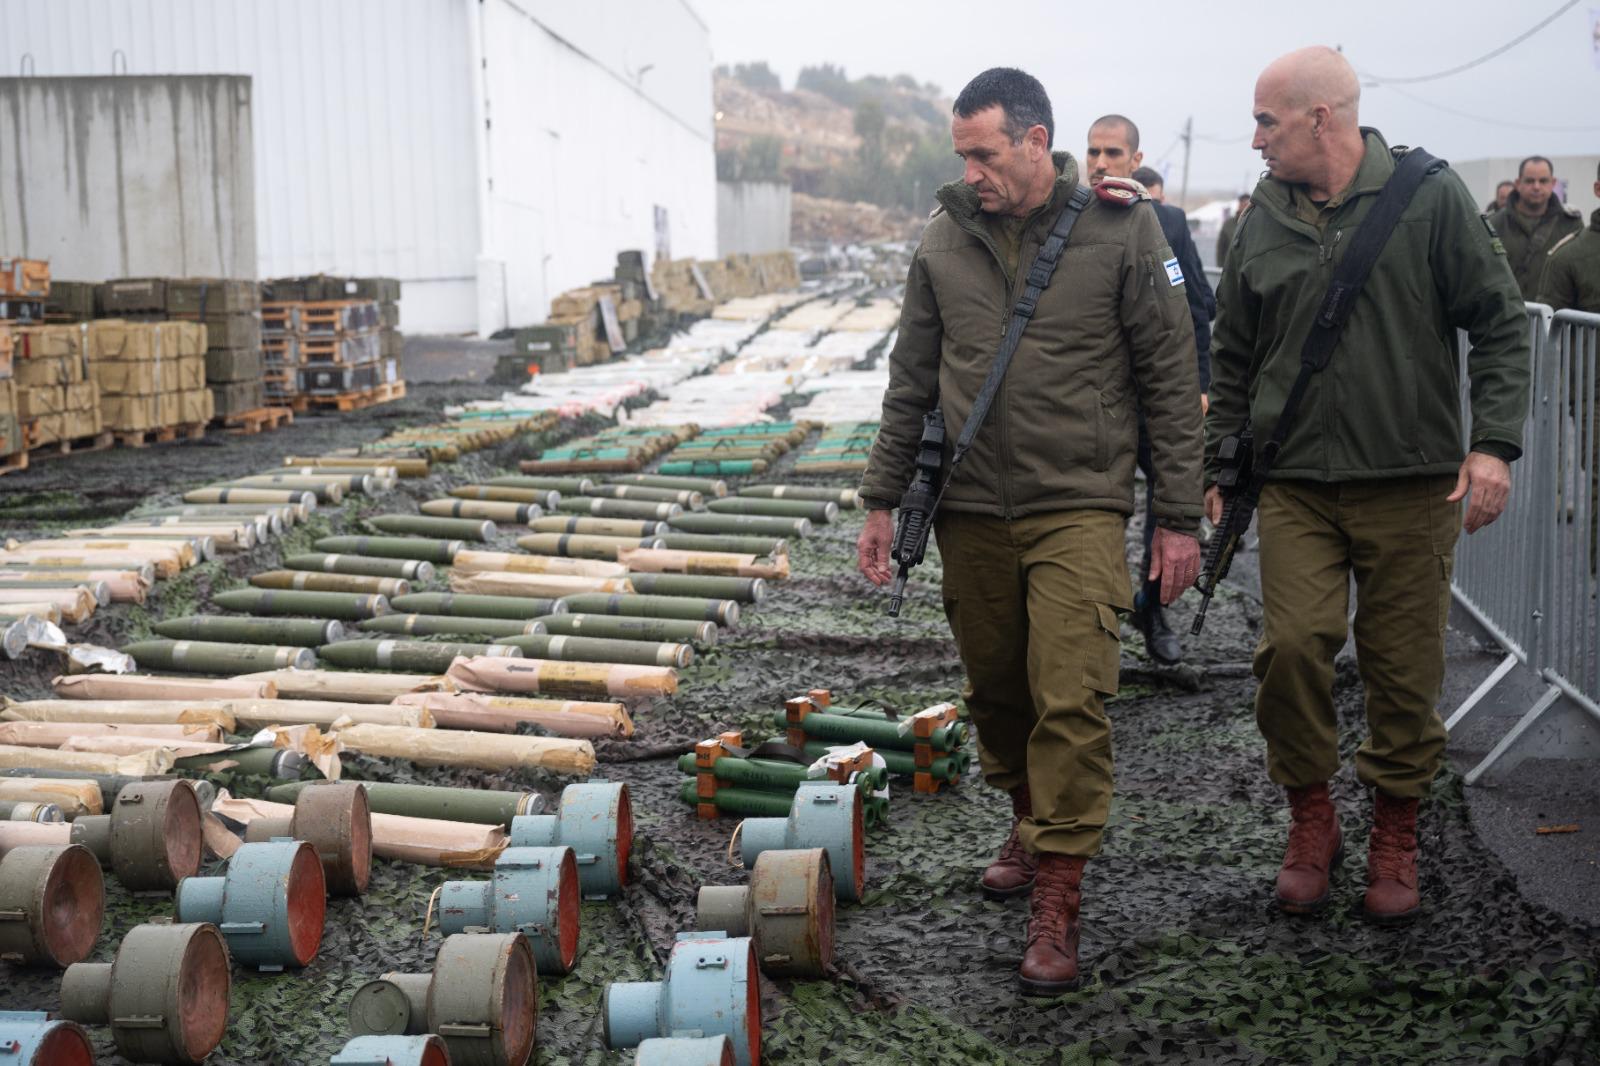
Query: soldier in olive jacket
{"type": "Point", "coordinates": [1031, 529]}
{"type": "Point", "coordinates": [1370, 479]}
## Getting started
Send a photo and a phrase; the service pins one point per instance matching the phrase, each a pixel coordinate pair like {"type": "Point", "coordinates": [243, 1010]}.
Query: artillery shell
{"type": "Point", "coordinates": [366, 565]}
{"type": "Point", "coordinates": [348, 606]}
{"type": "Point", "coordinates": [433, 551]}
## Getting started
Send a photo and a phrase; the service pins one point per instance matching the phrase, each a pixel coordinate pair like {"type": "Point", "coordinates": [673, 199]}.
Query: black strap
{"type": "Point", "coordinates": [1044, 265]}
{"type": "Point", "coordinates": [1348, 278]}
{"type": "Point", "coordinates": [771, 749]}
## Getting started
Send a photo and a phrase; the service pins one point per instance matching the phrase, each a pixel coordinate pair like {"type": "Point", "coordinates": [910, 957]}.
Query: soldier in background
{"type": "Point", "coordinates": [1502, 193]}
{"type": "Point", "coordinates": [1230, 225]}
{"type": "Point", "coordinates": [1533, 222]}
{"type": "Point", "coordinates": [1571, 279]}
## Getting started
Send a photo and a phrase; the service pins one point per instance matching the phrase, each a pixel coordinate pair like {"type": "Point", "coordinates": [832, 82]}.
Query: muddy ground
{"type": "Point", "coordinates": [1188, 960]}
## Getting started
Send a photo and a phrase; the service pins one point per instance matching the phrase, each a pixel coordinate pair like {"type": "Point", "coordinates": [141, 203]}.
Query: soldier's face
{"type": "Point", "coordinates": [1283, 137]}
{"type": "Point", "coordinates": [1535, 184]}
{"type": "Point", "coordinates": [1000, 172]}
{"type": "Point", "coordinates": [1109, 155]}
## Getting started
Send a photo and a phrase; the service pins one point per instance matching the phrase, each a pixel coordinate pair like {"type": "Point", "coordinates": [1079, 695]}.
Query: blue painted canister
{"type": "Point", "coordinates": [534, 891]}
{"type": "Point", "coordinates": [685, 1051]}
{"type": "Point", "coordinates": [595, 820]}
{"type": "Point", "coordinates": [712, 988]}
{"type": "Point", "coordinates": [30, 1038]}
{"type": "Point", "coordinates": [826, 816]}
{"type": "Point", "coordinates": [269, 905]}
{"type": "Point", "coordinates": [427, 1050]}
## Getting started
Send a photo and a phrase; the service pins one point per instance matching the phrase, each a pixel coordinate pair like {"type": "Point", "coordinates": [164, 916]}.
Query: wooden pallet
{"type": "Point", "coordinates": [143, 438]}
{"type": "Point", "coordinates": [249, 423]}
{"type": "Point", "coordinates": [356, 401]}
{"type": "Point", "coordinates": [10, 464]}
{"type": "Point", "coordinates": [99, 442]}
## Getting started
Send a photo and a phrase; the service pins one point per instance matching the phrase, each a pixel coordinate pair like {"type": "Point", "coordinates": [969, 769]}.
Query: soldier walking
{"type": "Point", "coordinates": [1533, 222]}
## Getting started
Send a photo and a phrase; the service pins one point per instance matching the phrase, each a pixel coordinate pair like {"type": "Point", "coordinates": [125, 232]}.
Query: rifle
{"type": "Point", "coordinates": [1241, 491]}
{"type": "Point", "coordinates": [917, 507]}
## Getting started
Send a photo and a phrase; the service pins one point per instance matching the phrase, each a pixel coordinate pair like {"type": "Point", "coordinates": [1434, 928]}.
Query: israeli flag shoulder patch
{"type": "Point", "coordinates": [1174, 272]}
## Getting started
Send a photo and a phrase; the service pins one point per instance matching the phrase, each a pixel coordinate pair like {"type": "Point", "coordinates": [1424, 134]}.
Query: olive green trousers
{"type": "Point", "coordinates": [1398, 538]}
{"type": "Point", "coordinates": [1032, 603]}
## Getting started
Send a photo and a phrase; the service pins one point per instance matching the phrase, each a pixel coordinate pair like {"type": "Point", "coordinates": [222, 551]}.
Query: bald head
{"type": "Point", "coordinates": [1307, 112]}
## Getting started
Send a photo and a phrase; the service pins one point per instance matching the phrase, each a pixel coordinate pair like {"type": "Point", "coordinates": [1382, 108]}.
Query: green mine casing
{"type": "Point", "coordinates": [688, 499]}
{"type": "Point", "coordinates": [742, 525]}
{"type": "Point", "coordinates": [366, 565]}
{"type": "Point", "coordinates": [702, 635]}
{"type": "Point", "coordinates": [604, 527]}
{"type": "Point", "coordinates": [566, 486]}
{"type": "Point", "coordinates": [949, 767]}
{"type": "Point", "coordinates": [712, 542]}
{"type": "Point", "coordinates": [212, 657]}
{"type": "Point", "coordinates": [231, 494]}
{"type": "Point", "coordinates": [478, 529]}
{"type": "Point", "coordinates": [722, 612]}
{"type": "Point", "coordinates": [315, 581]}
{"type": "Point", "coordinates": [430, 625]}
{"type": "Point", "coordinates": [847, 499]}
{"type": "Point", "coordinates": [324, 491]}
{"type": "Point", "coordinates": [471, 605]}
{"type": "Point", "coordinates": [707, 586]}
{"type": "Point", "coordinates": [604, 508]}
{"type": "Point", "coordinates": [876, 731]}
{"type": "Point", "coordinates": [749, 802]}
{"type": "Point", "coordinates": [432, 801]}
{"type": "Point", "coordinates": [433, 551]}
{"type": "Point", "coordinates": [817, 510]}
{"type": "Point", "coordinates": [408, 656]}
{"type": "Point", "coordinates": [348, 606]}
{"type": "Point", "coordinates": [582, 545]}
{"type": "Point", "coordinates": [707, 487]}
{"type": "Point", "coordinates": [544, 499]}
{"type": "Point", "coordinates": [298, 632]}
{"type": "Point", "coordinates": [511, 514]}
{"type": "Point", "coordinates": [601, 650]}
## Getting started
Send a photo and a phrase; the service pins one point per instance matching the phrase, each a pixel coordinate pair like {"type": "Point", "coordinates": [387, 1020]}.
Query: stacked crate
{"type": "Point", "coordinates": [13, 456]}
{"type": "Point", "coordinates": [24, 287]}
{"type": "Point", "coordinates": [57, 401]}
{"type": "Point", "coordinates": [332, 341]}
{"type": "Point", "coordinates": [339, 348]}
{"type": "Point", "coordinates": [230, 311]}
{"type": "Point", "coordinates": [152, 378]}
{"type": "Point", "coordinates": [70, 301]}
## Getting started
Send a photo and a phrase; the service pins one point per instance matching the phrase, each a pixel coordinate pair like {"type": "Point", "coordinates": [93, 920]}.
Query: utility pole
{"type": "Point", "coordinates": [1188, 142]}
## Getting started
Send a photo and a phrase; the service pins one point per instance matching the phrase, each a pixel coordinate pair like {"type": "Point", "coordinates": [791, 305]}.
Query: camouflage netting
{"type": "Point", "coordinates": [1187, 959]}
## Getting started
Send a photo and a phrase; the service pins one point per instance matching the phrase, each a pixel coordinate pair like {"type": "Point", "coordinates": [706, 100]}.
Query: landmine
{"type": "Point", "coordinates": [685, 1051]}
{"type": "Point", "coordinates": [534, 892]}
{"type": "Point", "coordinates": [595, 820]}
{"type": "Point", "coordinates": [421, 1050]}
{"type": "Point", "coordinates": [37, 1040]}
{"type": "Point", "coordinates": [333, 817]}
{"type": "Point", "coordinates": [54, 900]}
{"type": "Point", "coordinates": [270, 904]}
{"type": "Point", "coordinates": [712, 986]}
{"type": "Point", "coordinates": [787, 910]}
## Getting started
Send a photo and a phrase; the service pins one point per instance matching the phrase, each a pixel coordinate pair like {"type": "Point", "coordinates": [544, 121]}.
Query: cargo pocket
{"type": "Point", "coordinates": [1102, 655]}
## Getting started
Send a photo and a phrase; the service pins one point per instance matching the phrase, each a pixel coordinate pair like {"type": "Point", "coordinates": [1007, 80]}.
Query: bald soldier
{"type": "Point", "coordinates": [1031, 528]}
{"type": "Point", "coordinates": [1371, 479]}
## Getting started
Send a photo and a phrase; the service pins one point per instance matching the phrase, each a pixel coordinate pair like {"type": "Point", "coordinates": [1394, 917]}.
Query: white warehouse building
{"type": "Point", "coordinates": [489, 153]}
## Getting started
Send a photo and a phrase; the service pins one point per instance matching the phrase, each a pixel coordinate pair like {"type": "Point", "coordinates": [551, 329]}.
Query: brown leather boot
{"type": "Point", "coordinates": [1050, 965]}
{"type": "Point", "coordinates": [1012, 873]}
{"type": "Point", "coordinates": [1392, 860]}
{"type": "Point", "coordinates": [1315, 846]}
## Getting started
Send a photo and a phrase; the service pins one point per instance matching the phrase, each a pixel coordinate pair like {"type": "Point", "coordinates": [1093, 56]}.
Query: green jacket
{"type": "Point", "coordinates": [1572, 271]}
{"type": "Point", "coordinates": [1528, 240]}
{"type": "Point", "coordinates": [1111, 333]}
{"type": "Point", "coordinates": [1230, 226]}
{"type": "Point", "coordinates": [1388, 403]}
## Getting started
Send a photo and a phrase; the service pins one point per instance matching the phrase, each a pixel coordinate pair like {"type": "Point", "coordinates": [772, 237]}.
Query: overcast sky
{"type": "Point", "coordinates": [1162, 61]}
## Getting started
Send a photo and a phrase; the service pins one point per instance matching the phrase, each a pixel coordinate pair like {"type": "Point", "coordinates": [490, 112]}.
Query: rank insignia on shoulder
{"type": "Point", "coordinates": [1124, 192]}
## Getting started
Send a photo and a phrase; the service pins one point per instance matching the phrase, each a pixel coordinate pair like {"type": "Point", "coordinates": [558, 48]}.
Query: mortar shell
{"type": "Point", "coordinates": [313, 581]}
{"type": "Point", "coordinates": [346, 606]}
{"type": "Point", "coordinates": [423, 548]}
{"type": "Point", "coordinates": [363, 565]}
{"type": "Point", "coordinates": [298, 632]}
{"type": "Point", "coordinates": [478, 529]}
{"type": "Point", "coordinates": [216, 657]}
{"type": "Point", "coordinates": [54, 900]}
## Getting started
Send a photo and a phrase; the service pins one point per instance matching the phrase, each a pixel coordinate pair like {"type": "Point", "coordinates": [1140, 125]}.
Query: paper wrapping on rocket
{"type": "Point", "coordinates": [502, 714]}
{"type": "Point", "coordinates": [573, 680]}
{"type": "Point", "coordinates": [136, 687]}
{"type": "Point", "coordinates": [482, 751]}
{"type": "Point", "coordinates": [425, 841]}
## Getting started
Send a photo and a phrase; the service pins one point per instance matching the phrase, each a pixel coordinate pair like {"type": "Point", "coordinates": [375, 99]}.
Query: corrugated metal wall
{"type": "Point", "coordinates": [368, 114]}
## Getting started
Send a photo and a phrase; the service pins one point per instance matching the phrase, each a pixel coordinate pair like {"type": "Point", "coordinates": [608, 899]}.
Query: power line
{"type": "Point", "coordinates": [1492, 121]}
{"type": "Point", "coordinates": [1481, 59]}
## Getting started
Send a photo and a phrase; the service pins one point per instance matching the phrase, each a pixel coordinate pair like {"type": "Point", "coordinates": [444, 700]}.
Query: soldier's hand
{"type": "Point", "coordinates": [1214, 505]}
{"type": "Point", "coordinates": [872, 547]}
{"type": "Point", "coordinates": [1175, 562]}
{"type": "Point", "coordinates": [1489, 481]}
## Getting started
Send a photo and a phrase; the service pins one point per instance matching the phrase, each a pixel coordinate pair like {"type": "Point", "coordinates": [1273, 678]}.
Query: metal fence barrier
{"type": "Point", "coordinates": [1530, 578]}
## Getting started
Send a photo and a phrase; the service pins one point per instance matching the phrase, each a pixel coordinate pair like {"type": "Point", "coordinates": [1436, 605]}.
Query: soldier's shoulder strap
{"type": "Point", "coordinates": [1123, 192]}
{"type": "Point", "coordinates": [1563, 242]}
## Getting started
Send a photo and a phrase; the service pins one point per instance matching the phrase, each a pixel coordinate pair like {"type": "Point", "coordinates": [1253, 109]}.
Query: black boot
{"type": "Point", "coordinates": [1151, 620]}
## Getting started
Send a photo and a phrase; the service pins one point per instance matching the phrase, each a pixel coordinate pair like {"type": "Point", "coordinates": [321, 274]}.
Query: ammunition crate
{"type": "Point", "coordinates": [238, 396]}
{"type": "Point", "coordinates": [212, 297]}
{"type": "Point", "coordinates": [344, 348]}
{"type": "Point", "coordinates": [22, 310]}
{"type": "Point", "coordinates": [72, 301]}
{"type": "Point", "coordinates": [338, 316]}
{"type": "Point", "coordinates": [323, 379]}
{"type": "Point", "coordinates": [228, 365]}
{"type": "Point", "coordinates": [280, 316]}
{"type": "Point", "coordinates": [25, 277]}
{"type": "Point", "coordinates": [282, 349]}
{"type": "Point", "coordinates": [133, 294]}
